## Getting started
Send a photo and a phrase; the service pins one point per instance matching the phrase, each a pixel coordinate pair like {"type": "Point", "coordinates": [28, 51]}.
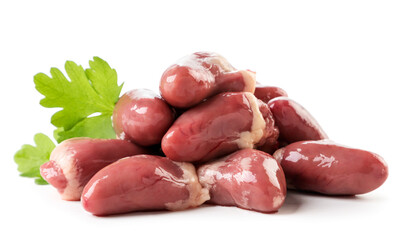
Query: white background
{"type": "Point", "coordinates": [343, 60]}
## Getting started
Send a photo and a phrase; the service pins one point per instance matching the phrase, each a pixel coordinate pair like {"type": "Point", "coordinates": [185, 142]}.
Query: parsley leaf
{"type": "Point", "coordinates": [87, 101]}
{"type": "Point", "coordinates": [89, 127]}
{"type": "Point", "coordinates": [104, 80]}
{"type": "Point", "coordinates": [29, 158]}
{"type": "Point", "coordinates": [91, 91]}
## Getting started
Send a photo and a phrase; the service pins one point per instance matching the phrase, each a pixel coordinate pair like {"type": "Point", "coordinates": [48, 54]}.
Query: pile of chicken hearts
{"type": "Point", "coordinates": [214, 135]}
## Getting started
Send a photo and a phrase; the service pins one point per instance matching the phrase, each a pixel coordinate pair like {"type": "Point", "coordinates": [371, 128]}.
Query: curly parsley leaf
{"type": "Point", "coordinates": [91, 91]}
{"type": "Point", "coordinates": [104, 80]}
{"type": "Point", "coordinates": [29, 158]}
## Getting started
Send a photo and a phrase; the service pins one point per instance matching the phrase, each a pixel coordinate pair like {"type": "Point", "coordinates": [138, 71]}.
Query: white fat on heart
{"type": "Point", "coordinates": [246, 163]}
{"type": "Point", "coordinates": [209, 174]}
{"type": "Point", "coordinates": [278, 200]}
{"type": "Point", "coordinates": [279, 155]}
{"type": "Point", "coordinates": [249, 78]}
{"type": "Point", "coordinates": [248, 139]}
{"type": "Point", "coordinates": [245, 177]}
{"type": "Point", "coordinates": [196, 69]}
{"type": "Point", "coordinates": [197, 194]}
{"type": "Point", "coordinates": [271, 167]}
{"type": "Point", "coordinates": [244, 201]}
{"type": "Point", "coordinates": [220, 61]}
{"type": "Point", "coordinates": [64, 157]}
{"type": "Point", "coordinates": [200, 72]}
{"type": "Point", "coordinates": [143, 93]}
{"type": "Point", "coordinates": [168, 177]}
{"type": "Point", "coordinates": [121, 136]}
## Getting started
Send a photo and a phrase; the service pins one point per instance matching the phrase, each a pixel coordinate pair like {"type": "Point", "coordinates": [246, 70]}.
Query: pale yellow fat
{"type": "Point", "coordinates": [250, 80]}
{"type": "Point", "coordinates": [248, 139]}
{"type": "Point", "coordinates": [64, 158]}
{"type": "Point", "coordinates": [197, 194]}
{"type": "Point", "coordinates": [220, 61]}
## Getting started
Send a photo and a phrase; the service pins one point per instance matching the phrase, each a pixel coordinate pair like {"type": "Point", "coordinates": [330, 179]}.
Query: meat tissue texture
{"type": "Point", "coordinates": [249, 179]}
{"type": "Point", "coordinates": [75, 161]}
{"type": "Point", "coordinates": [142, 117]}
{"type": "Point", "coordinates": [266, 93]}
{"type": "Point", "coordinates": [221, 125]}
{"type": "Point", "coordinates": [294, 121]}
{"type": "Point", "coordinates": [201, 75]}
{"type": "Point", "coordinates": [329, 168]}
{"type": "Point", "coordinates": [143, 182]}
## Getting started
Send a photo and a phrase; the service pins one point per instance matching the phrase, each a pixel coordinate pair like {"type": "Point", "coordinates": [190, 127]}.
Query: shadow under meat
{"type": "Point", "coordinates": [151, 212]}
{"type": "Point", "coordinates": [294, 200]}
{"type": "Point", "coordinates": [135, 214]}
{"type": "Point", "coordinates": [320, 195]}
{"type": "Point", "coordinates": [291, 204]}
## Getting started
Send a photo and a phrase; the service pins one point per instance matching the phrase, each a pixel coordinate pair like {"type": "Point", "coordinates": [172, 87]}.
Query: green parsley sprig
{"type": "Point", "coordinates": [29, 158]}
{"type": "Point", "coordinates": [87, 100]}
